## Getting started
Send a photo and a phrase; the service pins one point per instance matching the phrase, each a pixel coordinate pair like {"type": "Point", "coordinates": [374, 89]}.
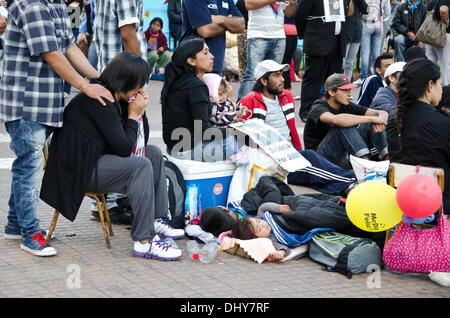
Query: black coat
{"type": "Point", "coordinates": [316, 34]}
{"type": "Point", "coordinates": [89, 131]}
{"type": "Point", "coordinates": [352, 28]}
{"type": "Point", "coordinates": [426, 141]}
{"type": "Point", "coordinates": [174, 13]}
{"type": "Point", "coordinates": [401, 23]}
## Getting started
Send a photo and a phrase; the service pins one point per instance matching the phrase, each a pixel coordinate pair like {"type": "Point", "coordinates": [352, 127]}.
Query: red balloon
{"type": "Point", "coordinates": [419, 196]}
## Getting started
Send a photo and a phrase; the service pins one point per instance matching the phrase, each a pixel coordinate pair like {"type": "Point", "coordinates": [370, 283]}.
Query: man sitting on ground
{"type": "Point", "coordinates": [337, 128]}
{"type": "Point", "coordinates": [374, 82]}
{"type": "Point", "coordinates": [271, 103]}
{"type": "Point", "coordinates": [386, 97]}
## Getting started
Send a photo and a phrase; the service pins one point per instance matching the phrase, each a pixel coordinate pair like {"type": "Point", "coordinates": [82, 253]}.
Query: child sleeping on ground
{"type": "Point", "coordinates": [223, 109]}
{"type": "Point", "coordinates": [254, 227]}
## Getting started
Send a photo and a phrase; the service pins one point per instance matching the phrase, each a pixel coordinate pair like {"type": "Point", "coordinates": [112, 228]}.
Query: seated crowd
{"type": "Point", "coordinates": [102, 143]}
{"type": "Point", "coordinates": [93, 154]}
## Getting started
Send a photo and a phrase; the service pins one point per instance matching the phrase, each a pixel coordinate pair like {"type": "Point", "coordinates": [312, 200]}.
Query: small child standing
{"type": "Point", "coordinates": [224, 111]}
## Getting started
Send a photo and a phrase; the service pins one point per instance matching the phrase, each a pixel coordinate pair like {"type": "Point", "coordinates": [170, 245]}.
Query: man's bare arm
{"type": "Point", "coordinates": [233, 24]}
{"type": "Point", "coordinates": [129, 39]}
{"type": "Point", "coordinates": [80, 62]}
{"type": "Point", "coordinates": [63, 68]}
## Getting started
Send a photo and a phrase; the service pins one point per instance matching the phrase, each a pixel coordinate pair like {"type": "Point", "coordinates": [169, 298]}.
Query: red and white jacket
{"type": "Point", "coordinates": [254, 102]}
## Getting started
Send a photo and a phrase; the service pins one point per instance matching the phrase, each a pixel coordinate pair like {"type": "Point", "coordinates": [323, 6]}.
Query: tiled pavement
{"type": "Point", "coordinates": [85, 268]}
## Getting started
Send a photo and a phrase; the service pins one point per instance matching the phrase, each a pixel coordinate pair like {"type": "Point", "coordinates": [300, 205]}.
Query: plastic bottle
{"type": "Point", "coordinates": [171, 242]}
{"type": "Point", "coordinates": [209, 252]}
{"type": "Point", "coordinates": [193, 249]}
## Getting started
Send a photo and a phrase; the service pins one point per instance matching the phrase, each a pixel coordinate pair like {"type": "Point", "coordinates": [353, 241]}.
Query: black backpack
{"type": "Point", "coordinates": [176, 192]}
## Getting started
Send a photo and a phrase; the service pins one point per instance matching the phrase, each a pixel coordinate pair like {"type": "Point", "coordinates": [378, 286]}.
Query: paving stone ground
{"type": "Point", "coordinates": [84, 268]}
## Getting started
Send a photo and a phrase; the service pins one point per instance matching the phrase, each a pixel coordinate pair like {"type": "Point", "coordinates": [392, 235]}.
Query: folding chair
{"type": "Point", "coordinates": [399, 171]}
{"type": "Point", "coordinates": [100, 198]}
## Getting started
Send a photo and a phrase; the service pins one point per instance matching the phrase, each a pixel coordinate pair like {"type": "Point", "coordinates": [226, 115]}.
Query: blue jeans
{"type": "Point", "coordinates": [370, 45]}
{"type": "Point", "coordinates": [27, 142]}
{"type": "Point", "coordinates": [258, 50]}
{"type": "Point", "coordinates": [341, 142]}
{"type": "Point", "coordinates": [401, 44]}
{"type": "Point", "coordinates": [92, 55]}
{"type": "Point", "coordinates": [349, 59]}
{"type": "Point", "coordinates": [209, 151]}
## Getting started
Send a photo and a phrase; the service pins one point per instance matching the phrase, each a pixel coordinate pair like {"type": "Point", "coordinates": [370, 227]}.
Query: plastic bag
{"type": "Point", "coordinates": [367, 170]}
{"type": "Point", "coordinates": [191, 203]}
{"type": "Point", "coordinates": [252, 164]}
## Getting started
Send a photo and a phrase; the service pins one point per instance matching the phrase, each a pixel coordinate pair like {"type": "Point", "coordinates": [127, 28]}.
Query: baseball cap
{"type": "Point", "coordinates": [339, 81]}
{"type": "Point", "coordinates": [394, 68]}
{"type": "Point", "coordinates": [267, 66]}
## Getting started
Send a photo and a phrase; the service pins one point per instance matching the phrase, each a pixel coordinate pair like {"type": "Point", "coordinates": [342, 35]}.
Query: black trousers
{"type": "Point", "coordinates": [291, 46]}
{"type": "Point", "coordinates": [317, 70]}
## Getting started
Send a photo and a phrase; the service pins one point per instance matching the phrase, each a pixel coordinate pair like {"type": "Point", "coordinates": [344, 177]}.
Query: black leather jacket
{"type": "Point", "coordinates": [401, 22]}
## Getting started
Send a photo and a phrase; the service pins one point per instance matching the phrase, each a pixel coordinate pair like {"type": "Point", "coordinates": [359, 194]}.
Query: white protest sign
{"type": "Point", "coordinates": [278, 148]}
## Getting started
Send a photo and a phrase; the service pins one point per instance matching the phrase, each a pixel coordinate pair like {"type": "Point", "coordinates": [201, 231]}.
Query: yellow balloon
{"type": "Point", "coordinates": [372, 207]}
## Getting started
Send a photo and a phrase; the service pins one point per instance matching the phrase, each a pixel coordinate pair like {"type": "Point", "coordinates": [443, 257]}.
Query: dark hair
{"type": "Point", "coordinates": [179, 65]}
{"type": "Point", "coordinates": [157, 20]}
{"type": "Point", "coordinates": [445, 100]}
{"type": "Point", "coordinates": [414, 52]}
{"type": "Point", "coordinates": [388, 82]}
{"type": "Point", "coordinates": [223, 83]}
{"type": "Point", "coordinates": [411, 87]}
{"type": "Point", "coordinates": [384, 56]}
{"type": "Point", "coordinates": [259, 87]}
{"type": "Point", "coordinates": [243, 229]}
{"type": "Point", "coordinates": [216, 220]}
{"type": "Point", "coordinates": [327, 95]}
{"type": "Point", "coordinates": [125, 72]}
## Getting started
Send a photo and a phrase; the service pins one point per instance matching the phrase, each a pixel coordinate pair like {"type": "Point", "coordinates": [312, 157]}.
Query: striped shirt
{"type": "Point", "coordinates": [110, 16]}
{"type": "Point", "coordinates": [30, 89]}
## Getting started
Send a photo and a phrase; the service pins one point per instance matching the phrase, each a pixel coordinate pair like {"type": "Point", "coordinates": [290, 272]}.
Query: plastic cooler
{"type": "Point", "coordinates": [212, 178]}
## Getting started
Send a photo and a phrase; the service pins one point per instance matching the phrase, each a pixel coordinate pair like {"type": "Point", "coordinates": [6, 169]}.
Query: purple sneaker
{"type": "Point", "coordinates": [158, 249]}
{"type": "Point", "coordinates": [163, 228]}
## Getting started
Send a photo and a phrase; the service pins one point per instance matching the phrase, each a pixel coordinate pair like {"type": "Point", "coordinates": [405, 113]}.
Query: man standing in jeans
{"type": "Point", "coordinates": [337, 128]}
{"type": "Point", "coordinates": [372, 32]}
{"type": "Point", "coordinates": [39, 54]}
{"type": "Point", "coordinates": [266, 39]}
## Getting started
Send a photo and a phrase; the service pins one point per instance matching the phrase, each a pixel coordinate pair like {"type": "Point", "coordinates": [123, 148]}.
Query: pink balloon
{"type": "Point", "coordinates": [419, 196]}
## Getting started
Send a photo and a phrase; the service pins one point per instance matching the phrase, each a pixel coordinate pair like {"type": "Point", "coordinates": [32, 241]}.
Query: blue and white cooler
{"type": "Point", "coordinates": [212, 179]}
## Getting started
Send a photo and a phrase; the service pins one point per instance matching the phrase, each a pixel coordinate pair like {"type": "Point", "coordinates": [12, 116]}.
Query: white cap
{"type": "Point", "coordinates": [394, 68]}
{"type": "Point", "coordinates": [268, 66]}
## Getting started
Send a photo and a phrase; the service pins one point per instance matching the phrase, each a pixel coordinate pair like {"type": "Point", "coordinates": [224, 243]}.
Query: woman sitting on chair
{"type": "Point", "coordinates": [104, 149]}
{"type": "Point", "coordinates": [419, 134]}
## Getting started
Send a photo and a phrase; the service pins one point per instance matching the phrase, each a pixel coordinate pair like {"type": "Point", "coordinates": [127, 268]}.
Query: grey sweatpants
{"type": "Point", "coordinates": [142, 180]}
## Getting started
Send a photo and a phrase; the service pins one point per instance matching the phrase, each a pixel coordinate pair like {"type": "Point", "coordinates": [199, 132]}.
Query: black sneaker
{"type": "Point", "coordinates": [124, 204]}
{"type": "Point", "coordinates": [116, 215]}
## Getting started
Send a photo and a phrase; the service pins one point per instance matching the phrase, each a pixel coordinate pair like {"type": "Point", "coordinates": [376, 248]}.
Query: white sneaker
{"type": "Point", "coordinates": [359, 81]}
{"type": "Point", "coordinates": [157, 249]}
{"type": "Point", "coordinates": [161, 227]}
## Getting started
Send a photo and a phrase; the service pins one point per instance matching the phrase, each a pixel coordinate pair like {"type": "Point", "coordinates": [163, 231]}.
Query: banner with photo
{"type": "Point", "coordinates": [334, 10]}
{"type": "Point", "coordinates": [278, 148]}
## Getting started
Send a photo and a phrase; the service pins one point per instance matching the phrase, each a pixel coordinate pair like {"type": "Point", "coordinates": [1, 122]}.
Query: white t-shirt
{"type": "Point", "coordinates": [275, 117]}
{"type": "Point", "coordinates": [266, 23]}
